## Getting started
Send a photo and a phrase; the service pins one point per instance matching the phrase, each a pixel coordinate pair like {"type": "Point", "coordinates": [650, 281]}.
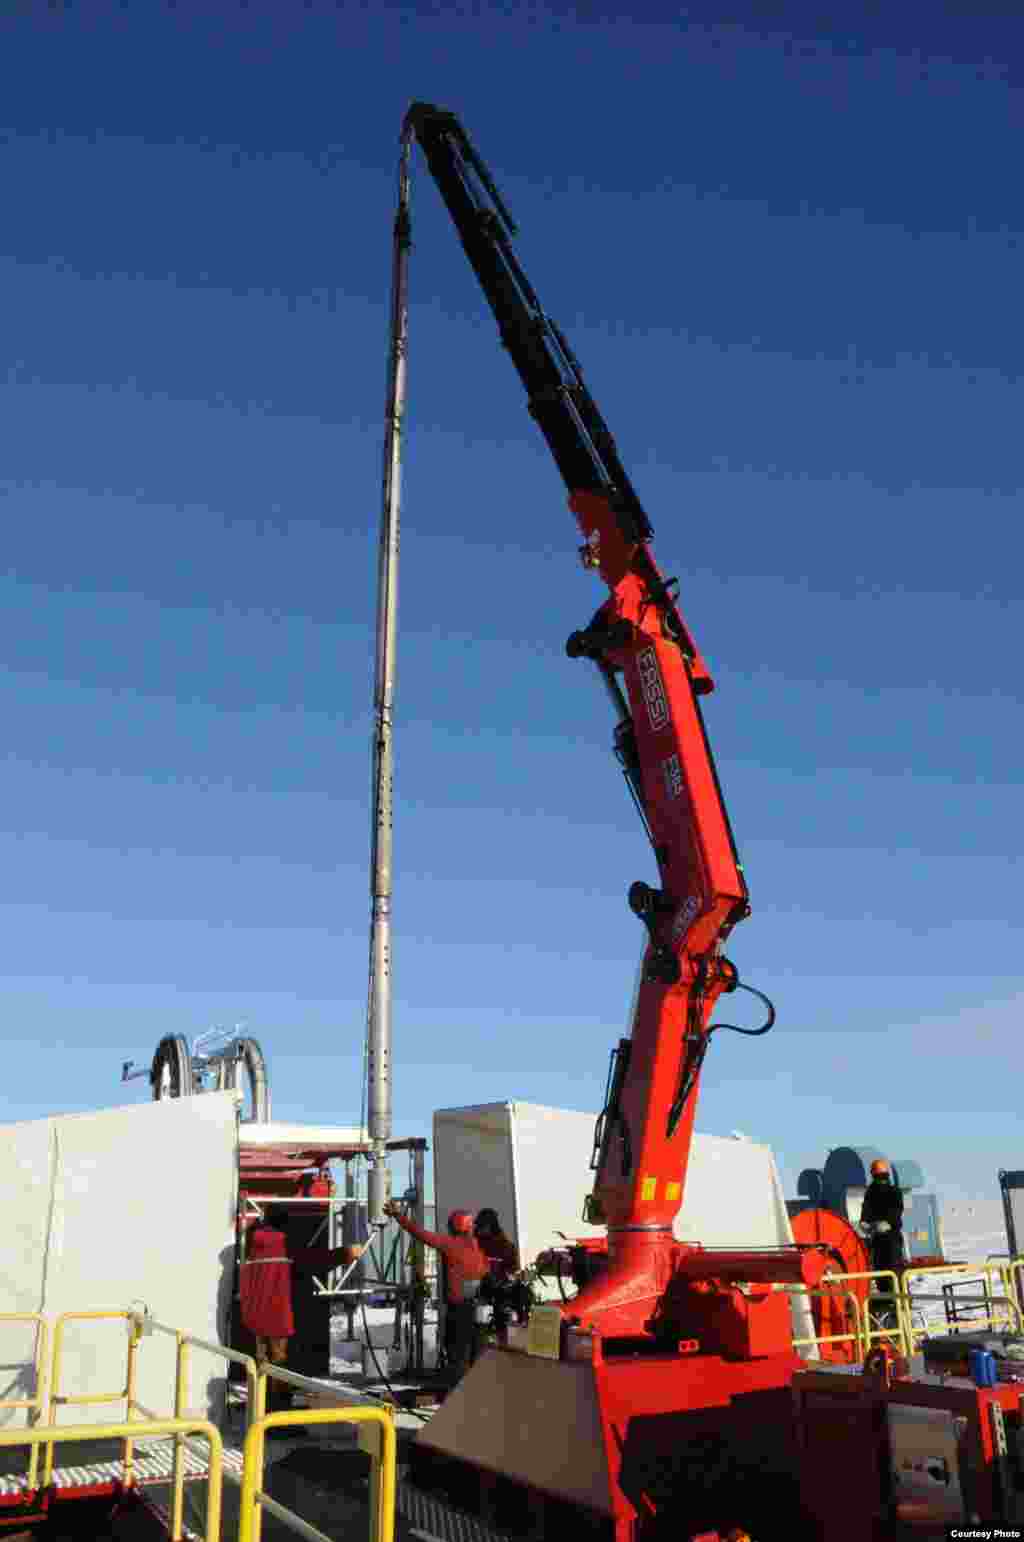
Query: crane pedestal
{"type": "Point", "coordinates": [621, 1448]}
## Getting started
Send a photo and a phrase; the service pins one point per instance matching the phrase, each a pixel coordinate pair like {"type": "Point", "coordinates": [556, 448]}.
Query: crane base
{"type": "Point", "coordinates": [621, 1450]}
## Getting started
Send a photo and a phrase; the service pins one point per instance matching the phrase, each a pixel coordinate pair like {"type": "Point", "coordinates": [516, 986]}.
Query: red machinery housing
{"type": "Point", "coordinates": [885, 1455]}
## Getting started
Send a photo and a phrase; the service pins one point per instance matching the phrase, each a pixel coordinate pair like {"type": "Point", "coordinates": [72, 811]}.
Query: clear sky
{"type": "Point", "coordinates": [787, 252]}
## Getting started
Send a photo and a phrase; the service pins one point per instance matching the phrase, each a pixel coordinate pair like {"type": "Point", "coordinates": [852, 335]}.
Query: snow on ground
{"type": "Point", "coordinates": [972, 1233]}
{"type": "Point", "coordinates": [379, 1332]}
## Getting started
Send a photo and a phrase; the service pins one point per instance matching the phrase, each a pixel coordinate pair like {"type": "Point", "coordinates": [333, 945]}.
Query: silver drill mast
{"type": "Point", "coordinates": [378, 1027]}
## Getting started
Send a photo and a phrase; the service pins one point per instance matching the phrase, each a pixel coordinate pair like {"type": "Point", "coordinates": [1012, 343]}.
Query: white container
{"type": "Point", "coordinates": [527, 1162]}
{"type": "Point", "coordinates": [80, 1194]}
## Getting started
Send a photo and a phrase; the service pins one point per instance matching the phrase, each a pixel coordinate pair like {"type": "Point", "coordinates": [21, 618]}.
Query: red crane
{"type": "Point", "coordinates": [673, 1327]}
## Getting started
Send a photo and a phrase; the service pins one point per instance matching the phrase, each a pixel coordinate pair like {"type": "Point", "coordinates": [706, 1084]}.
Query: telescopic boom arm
{"type": "Point", "coordinates": [654, 675]}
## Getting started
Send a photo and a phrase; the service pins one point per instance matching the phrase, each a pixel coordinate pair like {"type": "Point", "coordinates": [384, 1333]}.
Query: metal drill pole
{"type": "Point", "coordinates": [378, 1057]}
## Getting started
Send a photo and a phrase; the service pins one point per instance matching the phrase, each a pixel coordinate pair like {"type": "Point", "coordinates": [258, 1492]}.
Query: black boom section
{"type": "Point", "coordinates": [565, 412]}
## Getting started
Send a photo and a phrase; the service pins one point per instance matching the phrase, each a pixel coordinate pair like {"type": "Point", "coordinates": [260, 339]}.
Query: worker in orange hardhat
{"type": "Point", "coordinates": [265, 1291]}
{"type": "Point", "coordinates": [465, 1266]}
{"type": "Point", "coordinates": [881, 1221]}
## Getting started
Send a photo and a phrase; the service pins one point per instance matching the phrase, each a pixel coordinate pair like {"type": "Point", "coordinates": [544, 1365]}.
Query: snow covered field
{"type": "Point", "coordinates": [973, 1232]}
{"type": "Point", "coordinates": [347, 1355]}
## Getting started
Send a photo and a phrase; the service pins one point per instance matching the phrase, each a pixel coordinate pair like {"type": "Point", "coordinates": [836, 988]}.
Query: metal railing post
{"type": "Point", "coordinates": [181, 1385]}
{"type": "Point", "coordinates": [131, 1372]}
{"type": "Point", "coordinates": [259, 1414]}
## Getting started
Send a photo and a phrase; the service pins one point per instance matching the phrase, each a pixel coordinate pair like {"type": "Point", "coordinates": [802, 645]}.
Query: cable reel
{"type": "Point", "coordinates": [237, 1065]}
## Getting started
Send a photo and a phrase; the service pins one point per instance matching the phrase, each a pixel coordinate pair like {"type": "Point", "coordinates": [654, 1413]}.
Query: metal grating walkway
{"type": "Point", "coordinates": [426, 1517]}
{"type": "Point", "coordinates": [150, 1464]}
{"type": "Point", "coordinates": [434, 1520]}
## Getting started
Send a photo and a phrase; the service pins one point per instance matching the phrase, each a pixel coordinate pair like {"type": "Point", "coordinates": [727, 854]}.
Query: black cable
{"type": "Point", "coordinates": [697, 1057]}
{"type": "Point", "coordinates": [750, 1033]}
{"type": "Point", "coordinates": [380, 1373]}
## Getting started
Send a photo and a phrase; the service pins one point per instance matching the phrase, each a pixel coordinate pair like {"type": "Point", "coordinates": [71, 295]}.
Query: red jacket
{"type": "Point", "coordinates": [265, 1281]}
{"type": "Point", "coordinates": [463, 1256]}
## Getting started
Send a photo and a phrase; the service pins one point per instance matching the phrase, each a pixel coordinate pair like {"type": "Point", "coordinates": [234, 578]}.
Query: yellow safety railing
{"type": "Point", "coordinates": [256, 1385]}
{"type": "Point", "coordinates": [1017, 1280]}
{"type": "Point", "coordinates": [125, 1395]}
{"type": "Point", "coordinates": [1002, 1282]}
{"type": "Point", "coordinates": [376, 1436]}
{"type": "Point", "coordinates": [857, 1337]}
{"type": "Point", "coordinates": [376, 1426]}
{"type": "Point", "coordinates": [257, 1376]}
{"type": "Point", "coordinates": [82, 1433]}
{"type": "Point", "coordinates": [270, 1372]}
{"type": "Point", "coordinates": [893, 1298]}
{"type": "Point", "coordinates": [33, 1405]}
{"type": "Point", "coordinates": [1001, 1310]}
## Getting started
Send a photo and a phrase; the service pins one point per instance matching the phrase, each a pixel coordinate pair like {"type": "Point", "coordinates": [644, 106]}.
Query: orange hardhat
{"type": "Point", "coordinates": [880, 1166]}
{"type": "Point", "coordinates": [460, 1222]}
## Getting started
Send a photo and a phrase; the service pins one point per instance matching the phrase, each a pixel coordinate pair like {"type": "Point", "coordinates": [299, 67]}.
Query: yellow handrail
{"type": "Point", "coordinates": [856, 1337]}
{"type": "Point", "coordinates": [185, 1342]}
{"type": "Point", "coordinates": [125, 1431]}
{"type": "Point", "coordinates": [990, 1272]}
{"type": "Point", "coordinates": [895, 1295]}
{"type": "Point", "coordinates": [34, 1405]}
{"type": "Point", "coordinates": [1005, 1309]}
{"type": "Point", "coordinates": [125, 1396]}
{"type": "Point", "coordinates": [378, 1439]}
{"type": "Point", "coordinates": [271, 1372]}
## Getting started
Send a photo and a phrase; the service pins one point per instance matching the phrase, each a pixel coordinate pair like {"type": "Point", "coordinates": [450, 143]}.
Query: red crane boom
{"type": "Point", "coordinates": [681, 1345]}
{"type": "Point", "coordinates": [654, 674]}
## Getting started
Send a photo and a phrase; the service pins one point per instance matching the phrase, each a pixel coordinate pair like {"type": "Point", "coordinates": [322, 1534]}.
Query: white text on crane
{"type": "Point", "coordinates": [653, 689]}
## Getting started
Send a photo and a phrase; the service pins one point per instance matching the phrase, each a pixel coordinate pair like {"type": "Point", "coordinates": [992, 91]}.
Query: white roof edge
{"type": "Point", "coordinates": [300, 1135]}
{"type": "Point", "coordinates": [509, 1106]}
{"type": "Point", "coordinates": [474, 1108]}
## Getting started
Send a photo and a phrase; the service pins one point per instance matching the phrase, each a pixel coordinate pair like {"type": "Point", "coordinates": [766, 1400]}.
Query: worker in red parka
{"type": "Point", "coordinates": [265, 1291]}
{"type": "Point", "coordinates": [466, 1265]}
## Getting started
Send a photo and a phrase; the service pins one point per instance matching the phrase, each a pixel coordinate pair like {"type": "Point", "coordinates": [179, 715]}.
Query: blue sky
{"type": "Point", "coordinates": [787, 254]}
